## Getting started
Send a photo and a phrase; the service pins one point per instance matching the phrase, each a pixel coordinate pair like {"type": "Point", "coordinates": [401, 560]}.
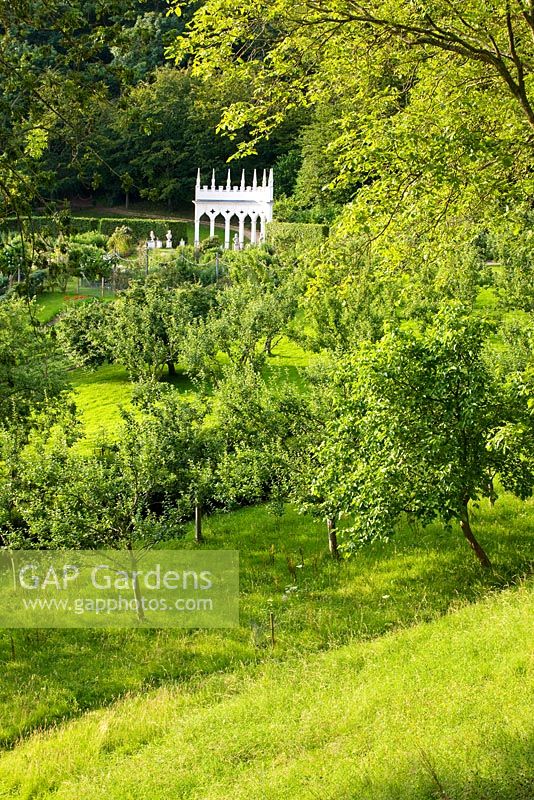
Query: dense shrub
{"type": "Point", "coordinates": [289, 235]}
{"type": "Point", "coordinates": [86, 260]}
{"type": "Point", "coordinates": [121, 241]}
{"type": "Point", "coordinates": [94, 238]}
{"type": "Point", "coordinates": [53, 226]}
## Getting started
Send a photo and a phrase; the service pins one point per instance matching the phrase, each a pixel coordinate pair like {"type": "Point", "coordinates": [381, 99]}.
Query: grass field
{"type": "Point", "coordinates": [419, 576]}
{"type": "Point", "coordinates": [444, 710]}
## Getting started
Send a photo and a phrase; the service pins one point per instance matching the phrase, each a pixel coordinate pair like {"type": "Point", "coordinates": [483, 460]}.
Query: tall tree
{"type": "Point", "coordinates": [415, 430]}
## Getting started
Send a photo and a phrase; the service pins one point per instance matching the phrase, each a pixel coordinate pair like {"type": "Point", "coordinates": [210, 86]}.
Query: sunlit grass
{"type": "Point", "coordinates": [50, 304]}
{"type": "Point", "coordinates": [285, 570]}
{"type": "Point", "coordinates": [101, 393]}
{"type": "Point", "coordinates": [443, 710]}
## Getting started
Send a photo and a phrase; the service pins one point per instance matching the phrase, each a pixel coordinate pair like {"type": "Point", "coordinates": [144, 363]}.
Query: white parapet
{"type": "Point", "coordinates": [252, 203]}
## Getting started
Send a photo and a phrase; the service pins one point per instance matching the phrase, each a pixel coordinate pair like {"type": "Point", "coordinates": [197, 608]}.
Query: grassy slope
{"type": "Point", "coordinates": [417, 577]}
{"type": "Point", "coordinates": [445, 709]}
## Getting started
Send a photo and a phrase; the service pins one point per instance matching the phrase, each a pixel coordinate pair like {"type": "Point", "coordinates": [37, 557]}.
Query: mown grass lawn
{"type": "Point", "coordinates": [50, 304]}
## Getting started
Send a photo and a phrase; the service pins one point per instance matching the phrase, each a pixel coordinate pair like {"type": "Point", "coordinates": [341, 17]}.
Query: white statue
{"type": "Point", "coordinates": [237, 246]}
{"type": "Point", "coordinates": [168, 237]}
{"type": "Point", "coordinates": [151, 241]}
{"type": "Point", "coordinates": [182, 242]}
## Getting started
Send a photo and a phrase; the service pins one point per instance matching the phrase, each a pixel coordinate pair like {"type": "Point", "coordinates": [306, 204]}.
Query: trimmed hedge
{"type": "Point", "coordinates": [140, 227]}
{"type": "Point", "coordinates": [51, 226]}
{"type": "Point", "coordinates": [288, 235]}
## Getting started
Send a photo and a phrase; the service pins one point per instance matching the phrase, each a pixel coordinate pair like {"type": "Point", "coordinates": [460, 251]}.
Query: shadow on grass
{"type": "Point", "coordinates": [285, 570]}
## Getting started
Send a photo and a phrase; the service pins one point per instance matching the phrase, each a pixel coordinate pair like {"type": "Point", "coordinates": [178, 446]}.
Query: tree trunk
{"type": "Point", "coordinates": [198, 523]}
{"type": "Point", "coordinates": [171, 368]}
{"type": "Point", "coordinates": [135, 586]}
{"type": "Point", "coordinates": [468, 533]}
{"type": "Point", "coordinates": [127, 200]}
{"type": "Point", "coordinates": [332, 538]}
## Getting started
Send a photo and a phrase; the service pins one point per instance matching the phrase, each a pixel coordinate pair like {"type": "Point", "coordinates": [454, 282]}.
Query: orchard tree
{"type": "Point", "coordinates": [255, 308]}
{"type": "Point", "coordinates": [152, 324]}
{"type": "Point", "coordinates": [32, 372]}
{"type": "Point", "coordinates": [84, 333]}
{"type": "Point", "coordinates": [127, 494]}
{"type": "Point", "coordinates": [34, 393]}
{"type": "Point", "coordinates": [419, 428]}
{"type": "Point", "coordinates": [245, 322]}
{"type": "Point", "coordinates": [263, 433]}
{"type": "Point", "coordinates": [513, 245]}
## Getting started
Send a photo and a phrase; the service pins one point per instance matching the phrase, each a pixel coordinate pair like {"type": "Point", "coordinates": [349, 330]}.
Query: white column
{"type": "Point", "coordinates": [262, 228]}
{"type": "Point", "coordinates": [197, 228]}
{"type": "Point", "coordinates": [253, 229]}
{"type": "Point", "coordinates": [241, 230]}
{"type": "Point", "coordinates": [227, 232]}
{"type": "Point", "coordinates": [212, 226]}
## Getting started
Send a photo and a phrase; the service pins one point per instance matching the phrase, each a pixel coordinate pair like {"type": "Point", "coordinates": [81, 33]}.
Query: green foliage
{"type": "Point", "coordinates": [286, 169]}
{"type": "Point", "coordinates": [57, 224]}
{"type": "Point", "coordinates": [513, 244]}
{"type": "Point", "coordinates": [419, 429]}
{"type": "Point", "coordinates": [132, 493]}
{"type": "Point", "coordinates": [141, 227]}
{"type": "Point", "coordinates": [72, 225]}
{"type": "Point", "coordinates": [121, 241]}
{"type": "Point", "coordinates": [94, 238]}
{"type": "Point", "coordinates": [355, 288]}
{"type": "Point", "coordinates": [32, 375]}
{"type": "Point", "coordinates": [151, 325]}
{"type": "Point", "coordinates": [84, 333]}
{"type": "Point", "coordinates": [139, 48]}
{"type": "Point", "coordinates": [261, 430]}
{"type": "Point", "coordinates": [299, 235]}
{"type": "Point", "coordinates": [86, 260]}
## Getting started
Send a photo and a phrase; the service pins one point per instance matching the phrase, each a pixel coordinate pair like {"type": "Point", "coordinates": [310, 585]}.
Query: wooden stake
{"type": "Point", "coordinates": [271, 622]}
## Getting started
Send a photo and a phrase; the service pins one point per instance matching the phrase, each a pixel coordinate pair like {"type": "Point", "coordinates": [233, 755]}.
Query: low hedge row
{"type": "Point", "coordinates": [140, 227]}
{"type": "Point", "coordinates": [294, 234]}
